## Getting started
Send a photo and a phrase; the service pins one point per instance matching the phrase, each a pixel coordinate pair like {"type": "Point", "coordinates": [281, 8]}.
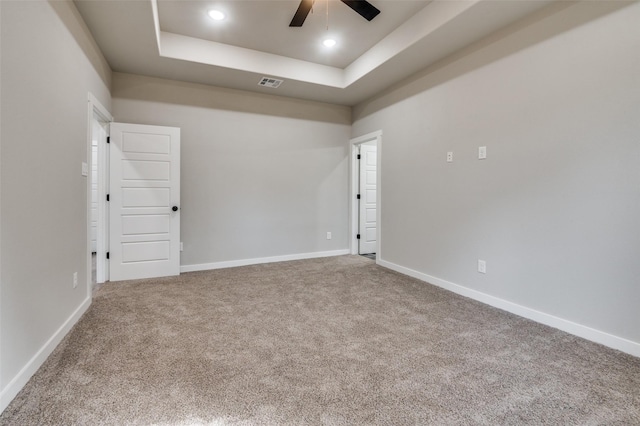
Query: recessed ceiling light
{"type": "Point", "coordinates": [216, 15]}
{"type": "Point", "coordinates": [329, 42]}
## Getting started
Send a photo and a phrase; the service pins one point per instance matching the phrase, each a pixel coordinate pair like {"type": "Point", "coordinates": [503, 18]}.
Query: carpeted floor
{"type": "Point", "coordinates": [336, 341]}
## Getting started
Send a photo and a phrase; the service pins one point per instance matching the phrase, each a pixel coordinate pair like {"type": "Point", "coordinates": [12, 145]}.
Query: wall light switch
{"type": "Point", "coordinates": [328, 235]}
{"type": "Point", "coordinates": [75, 279]}
{"type": "Point", "coordinates": [181, 246]}
{"type": "Point", "coordinates": [482, 152]}
{"type": "Point", "coordinates": [85, 169]}
{"type": "Point", "coordinates": [482, 266]}
{"type": "Point", "coordinates": [449, 157]}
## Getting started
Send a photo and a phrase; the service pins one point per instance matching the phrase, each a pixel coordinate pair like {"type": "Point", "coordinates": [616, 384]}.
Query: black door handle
{"type": "Point", "coordinates": [174, 208]}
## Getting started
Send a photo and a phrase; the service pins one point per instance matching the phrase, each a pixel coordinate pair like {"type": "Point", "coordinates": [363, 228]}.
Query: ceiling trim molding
{"type": "Point", "coordinates": [177, 46]}
{"type": "Point", "coordinates": [156, 23]}
{"type": "Point", "coordinates": [433, 16]}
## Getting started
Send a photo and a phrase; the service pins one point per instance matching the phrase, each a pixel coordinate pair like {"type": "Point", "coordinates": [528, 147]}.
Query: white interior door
{"type": "Point", "coordinates": [94, 194]}
{"type": "Point", "coordinates": [144, 201]}
{"type": "Point", "coordinates": [368, 196]}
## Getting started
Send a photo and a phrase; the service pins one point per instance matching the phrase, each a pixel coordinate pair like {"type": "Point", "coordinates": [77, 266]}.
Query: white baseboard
{"type": "Point", "coordinates": [259, 260]}
{"type": "Point", "coordinates": [17, 383]}
{"type": "Point", "coordinates": [606, 339]}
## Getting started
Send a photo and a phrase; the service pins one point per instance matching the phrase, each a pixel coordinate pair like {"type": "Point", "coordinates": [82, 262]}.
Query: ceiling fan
{"type": "Point", "coordinates": [362, 7]}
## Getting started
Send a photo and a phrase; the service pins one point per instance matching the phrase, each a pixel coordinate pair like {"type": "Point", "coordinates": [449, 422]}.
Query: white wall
{"type": "Point", "coordinates": [49, 64]}
{"type": "Point", "coordinates": [261, 176]}
{"type": "Point", "coordinates": [554, 209]}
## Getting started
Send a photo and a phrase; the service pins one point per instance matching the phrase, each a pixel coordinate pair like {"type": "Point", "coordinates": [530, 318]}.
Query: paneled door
{"type": "Point", "coordinates": [368, 199]}
{"type": "Point", "coordinates": [144, 201]}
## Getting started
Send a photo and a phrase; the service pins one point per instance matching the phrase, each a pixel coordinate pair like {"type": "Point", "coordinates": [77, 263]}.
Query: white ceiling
{"type": "Point", "coordinates": [176, 39]}
{"type": "Point", "coordinates": [270, 31]}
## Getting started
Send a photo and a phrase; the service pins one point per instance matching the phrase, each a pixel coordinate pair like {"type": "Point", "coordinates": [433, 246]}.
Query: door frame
{"type": "Point", "coordinates": [354, 188]}
{"type": "Point", "coordinates": [95, 107]}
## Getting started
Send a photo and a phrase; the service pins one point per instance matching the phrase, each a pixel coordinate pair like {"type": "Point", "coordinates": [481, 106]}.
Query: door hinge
{"type": "Point", "coordinates": [358, 196]}
{"type": "Point", "coordinates": [107, 197]}
{"type": "Point", "coordinates": [358, 236]}
{"type": "Point", "coordinates": [358, 156]}
{"type": "Point", "coordinates": [107, 255]}
{"type": "Point", "coordinates": [108, 139]}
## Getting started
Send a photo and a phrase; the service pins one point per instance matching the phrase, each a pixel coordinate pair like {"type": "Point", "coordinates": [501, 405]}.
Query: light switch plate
{"type": "Point", "coordinates": [482, 152]}
{"type": "Point", "coordinates": [482, 266]}
{"type": "Point", "coordinates": [85, 169]}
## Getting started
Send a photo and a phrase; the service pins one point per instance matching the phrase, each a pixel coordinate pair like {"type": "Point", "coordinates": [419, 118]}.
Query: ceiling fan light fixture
{"type": "Point", "coordinates": [329, 42]}
{"type": "Point", "coordinates": [216, 15]}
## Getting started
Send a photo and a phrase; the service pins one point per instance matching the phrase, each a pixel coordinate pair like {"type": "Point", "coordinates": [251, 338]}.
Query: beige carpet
{"type": "Point", "coordinates": [325, 341]}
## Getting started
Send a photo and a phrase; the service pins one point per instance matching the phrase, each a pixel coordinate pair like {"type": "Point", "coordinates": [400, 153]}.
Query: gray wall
{"type": "Point", "coordinates": [555, 208]}
{"type": "Point", "coordinates": [261, 175]}
{"type": "Point", "coordinates": [45, 78]}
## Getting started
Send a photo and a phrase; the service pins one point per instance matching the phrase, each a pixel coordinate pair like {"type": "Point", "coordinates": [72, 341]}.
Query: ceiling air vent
{"type": "Point", "coordinates": [270, 82]}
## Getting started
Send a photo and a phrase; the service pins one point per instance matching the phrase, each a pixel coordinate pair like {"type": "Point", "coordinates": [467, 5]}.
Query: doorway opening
{"type": "Point", "coordinates": [98, 219]}
{"type": "Point", "coordinates": [365, 200]}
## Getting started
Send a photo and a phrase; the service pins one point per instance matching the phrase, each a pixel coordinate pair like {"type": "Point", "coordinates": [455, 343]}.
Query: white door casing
{"type": "Point", "coordinates": [368, 199]}
{"type": "Point", "coordinates": [97, 130]}
{"type": "Point", "coordinates": [144, 201]}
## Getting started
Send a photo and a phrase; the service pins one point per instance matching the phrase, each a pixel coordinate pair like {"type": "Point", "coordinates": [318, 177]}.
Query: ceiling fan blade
{"type": "Point", "coordinates": [301, 13]}
{"type": "Point", "coordinates": [364, 8]}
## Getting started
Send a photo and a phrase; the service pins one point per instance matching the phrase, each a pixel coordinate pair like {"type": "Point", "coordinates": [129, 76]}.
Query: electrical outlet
{"type": "Point", "coordinates": [181, 246]}
{"type": "Point", "coordinates": [449, 157]}
{"type": "Point", "coordinates": [482, 266]}
{"type": "Point", "coordinates": [482, 152]}
{"type": "Point", "coordinates": [328, 235]}
{"type": "Point", "coordinates": [75, 279]}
